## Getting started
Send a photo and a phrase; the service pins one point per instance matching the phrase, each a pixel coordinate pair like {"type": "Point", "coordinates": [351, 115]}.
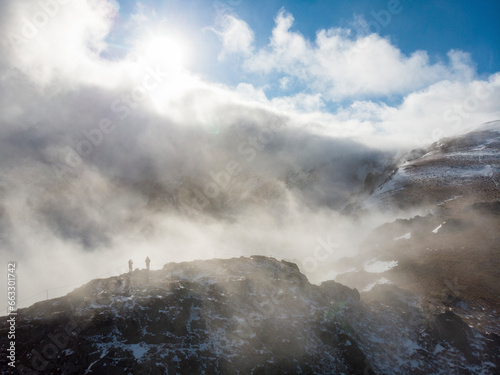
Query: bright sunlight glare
{"type": "Point", "coordinates": [165, 50]}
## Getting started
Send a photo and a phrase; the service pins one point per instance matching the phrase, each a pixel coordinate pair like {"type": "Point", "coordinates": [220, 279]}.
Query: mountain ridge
{"type": "Point", "coordinates": [241, 315]}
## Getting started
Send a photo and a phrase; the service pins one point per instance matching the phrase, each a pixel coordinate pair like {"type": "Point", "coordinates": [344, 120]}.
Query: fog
{"type": "Point", "coordinates": [171, 191]}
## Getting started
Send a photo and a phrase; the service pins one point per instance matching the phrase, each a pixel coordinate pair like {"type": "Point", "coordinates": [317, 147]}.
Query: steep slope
{"type": "Point", "coordinates": [241, 316]}
{"type": "Point", "coordinates": [451, 258]}
{"type": "Point", "coordinates": [456, 168]}
{"type": "Point", "coordinates": [449, 254]}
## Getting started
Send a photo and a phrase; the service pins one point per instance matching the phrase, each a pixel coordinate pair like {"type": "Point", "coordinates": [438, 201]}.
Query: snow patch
{"type": "Point", "coordinates": [379, 266]}
{"type": "Point", "coordinates": [407, 236]}
{"type": "Point", "coordinates": [138, 350]}
{"type": "Point", "coordinates": [380, 281]}
{"type": "Point", "coordinates": [435, 230]}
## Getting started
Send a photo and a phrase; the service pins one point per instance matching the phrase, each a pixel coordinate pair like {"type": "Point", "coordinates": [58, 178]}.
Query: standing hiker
{"type": "Point", "coordinates": [148, 261]}
{"type": "Point", "coordinates": [130, 263]}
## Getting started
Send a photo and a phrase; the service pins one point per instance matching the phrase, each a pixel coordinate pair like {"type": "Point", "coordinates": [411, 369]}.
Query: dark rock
{"type": "Point", "coordinates": [448, 326]}
{"type": "Point", "coordinates": [338, 292]}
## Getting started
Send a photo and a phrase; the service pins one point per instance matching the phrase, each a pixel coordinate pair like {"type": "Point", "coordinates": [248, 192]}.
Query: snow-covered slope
{"type": "Point", "coordinates": [452, 168]}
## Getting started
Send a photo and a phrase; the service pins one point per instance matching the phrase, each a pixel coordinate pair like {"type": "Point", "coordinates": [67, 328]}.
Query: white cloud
{"type": "Point", "coordinates": [301, 102]}
{"type": "Point", "coordinates": [236, 35]}
{"type": "Point", "coordinates": [339, 66]}
{"type": "Point", "coordinates": [57, 39]}
{"type": "Point", "coordinates": [284, 83]}
{"type": "Point", "coordinates": [442, 109]}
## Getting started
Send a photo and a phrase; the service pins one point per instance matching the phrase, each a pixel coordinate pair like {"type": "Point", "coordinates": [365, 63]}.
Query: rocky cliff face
{"type": "Point", "coordinates": [252, 315]}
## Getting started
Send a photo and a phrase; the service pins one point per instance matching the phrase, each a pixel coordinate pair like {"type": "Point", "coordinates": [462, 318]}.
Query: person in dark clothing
{"type": "Point", "coordinates": [148, 261]}
{"type": "Point", "coordinates": [130, 263]}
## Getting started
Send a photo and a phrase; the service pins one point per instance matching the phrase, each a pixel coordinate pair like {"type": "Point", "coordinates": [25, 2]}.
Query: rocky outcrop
{"type": "Point", "coordinates": [252, 315]}
{"type": "Point", "coordinates": [448, 326]}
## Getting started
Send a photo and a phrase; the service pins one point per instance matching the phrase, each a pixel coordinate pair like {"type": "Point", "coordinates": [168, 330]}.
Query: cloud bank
{"type": "Point", "coordinates": [103, 160]}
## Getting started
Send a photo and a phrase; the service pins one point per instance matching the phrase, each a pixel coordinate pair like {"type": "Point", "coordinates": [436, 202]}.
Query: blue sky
{"type": "Point", "coordinates": [435, 26]}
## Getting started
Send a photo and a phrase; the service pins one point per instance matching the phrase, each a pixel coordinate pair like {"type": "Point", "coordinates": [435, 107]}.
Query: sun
{"type": "Point", "coordinates": [166, 55]}
{"type": "Point", "coordinates": [167, 51]}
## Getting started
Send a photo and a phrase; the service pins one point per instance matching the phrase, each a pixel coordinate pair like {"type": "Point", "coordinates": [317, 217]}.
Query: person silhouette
{"type": "Point", "coordinates": [148, 261]}
{"type": "Point", "coordinates": [130, 263]}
